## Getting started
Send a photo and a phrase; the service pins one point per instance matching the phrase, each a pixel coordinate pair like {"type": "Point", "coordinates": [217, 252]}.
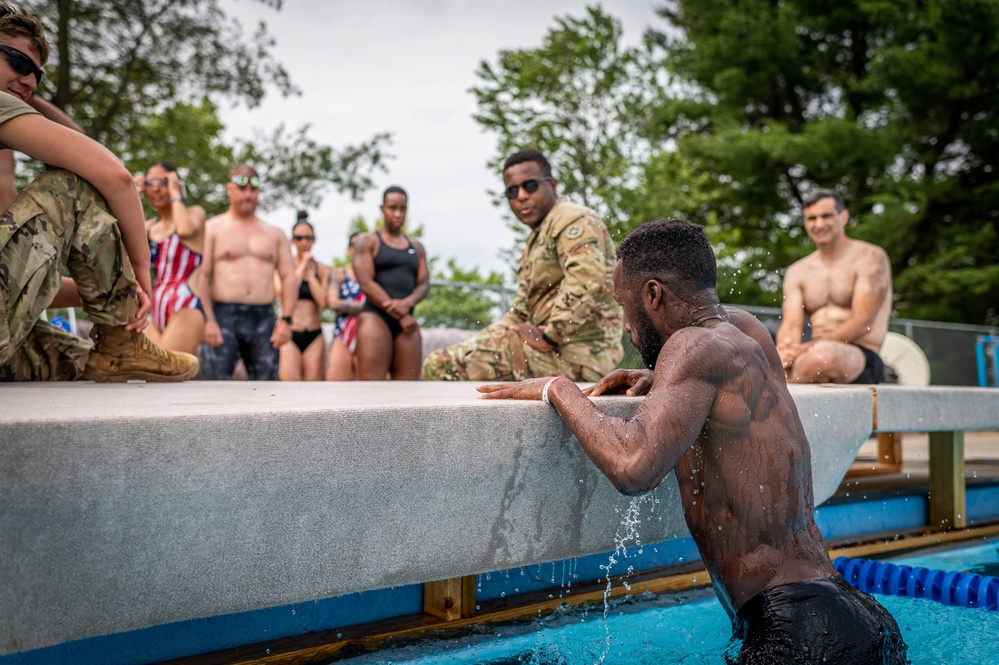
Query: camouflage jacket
{"type": "Point", "coordinates": [565, 286]}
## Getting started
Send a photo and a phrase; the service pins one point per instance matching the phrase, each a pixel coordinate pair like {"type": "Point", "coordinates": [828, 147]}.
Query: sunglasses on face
{"type": "Point", "coordinates": [530, 186]}
{"type": "Point", "coordinates": [310, 238]}
{"type": "Point", "coordinates": [244, 180]}
{"type": "Point", "coordinates": [21, 63]}
{"type": "Point", "coordinates": [154, 182]}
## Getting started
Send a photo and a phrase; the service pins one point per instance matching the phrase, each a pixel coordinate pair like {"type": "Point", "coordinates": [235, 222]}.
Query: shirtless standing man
{"type": "Point", "coordinates": [718, 411]}
{"type": "Point", "coordinates": [844, 286]}
{"type": "Point", "coordinates": [242, 253]}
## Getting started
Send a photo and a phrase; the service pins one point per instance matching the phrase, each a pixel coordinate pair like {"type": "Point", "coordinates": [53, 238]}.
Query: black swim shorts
{"type": "Point", "coordinates": [874, 367]}
{"type": "Point", "coordinates": [818, 621]}
{"type": "Point", "coordinates": [246, 333]}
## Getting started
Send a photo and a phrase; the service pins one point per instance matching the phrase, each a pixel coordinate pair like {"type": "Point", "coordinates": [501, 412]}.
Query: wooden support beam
{"type": "Point", "coordinates": [947, 485]}
{"type": "Point", "coordinates": [890, 451]}
{"type": "Point", "coordinates": [889, 458]}
{"type": "Point", "coordinates": [450, 599]}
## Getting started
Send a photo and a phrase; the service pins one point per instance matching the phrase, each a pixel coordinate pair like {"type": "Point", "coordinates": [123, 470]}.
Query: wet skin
{"type": "Point", "coordinates": [720, 415]}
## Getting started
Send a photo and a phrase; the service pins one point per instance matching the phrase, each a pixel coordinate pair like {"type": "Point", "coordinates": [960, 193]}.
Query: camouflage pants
{"type": "Point", "coordinates": [58, 222]}
{"type": "Point", "coordinates": [498, 353]}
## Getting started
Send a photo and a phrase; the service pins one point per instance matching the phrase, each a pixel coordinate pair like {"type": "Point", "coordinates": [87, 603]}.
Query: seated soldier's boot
{"type": "Point", "coordinates": [120, 355]}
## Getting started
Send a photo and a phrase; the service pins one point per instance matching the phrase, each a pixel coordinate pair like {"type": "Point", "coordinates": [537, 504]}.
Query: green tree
{"type": "Point", "coordinates": [583, 99]}
{"type": "Point", "coordinates": [116, 63]}
{"type": "Point", "coordinates": [143, 77]}
{"type": "Point", "coordinates": [461, 298]}
{"type": "Point", "coordinates": [190, 136]}
{"type": "Point", "coordinates": [894, 104]}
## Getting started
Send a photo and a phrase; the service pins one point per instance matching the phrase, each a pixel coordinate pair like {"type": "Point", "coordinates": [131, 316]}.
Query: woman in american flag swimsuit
{"type": "Point", "coordinates": [176, 239]}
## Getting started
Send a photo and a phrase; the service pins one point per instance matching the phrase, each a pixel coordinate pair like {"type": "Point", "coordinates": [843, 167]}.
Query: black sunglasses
{"type": "Point", "coordinates": [530, 186]}
{"type": "Point", "coordinates": [303, 237]}
{"type": "Point", "coordinates": [21, 63]}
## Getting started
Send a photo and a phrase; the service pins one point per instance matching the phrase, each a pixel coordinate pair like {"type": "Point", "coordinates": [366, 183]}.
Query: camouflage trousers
{"type": "Point", "coordinates": [58, 223]}
{"type": "Point", "coordinates": [497, 353]}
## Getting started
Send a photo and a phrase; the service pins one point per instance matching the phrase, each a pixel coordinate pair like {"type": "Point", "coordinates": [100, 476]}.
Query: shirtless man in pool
{"type": "Point", "coordinates": [844, 286]}
{"type": "Point", "coordinates": [718, 412]}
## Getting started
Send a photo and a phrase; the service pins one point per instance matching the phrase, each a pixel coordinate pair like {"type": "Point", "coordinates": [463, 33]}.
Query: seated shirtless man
{"type": "Point", "coordinates": [718, 412]}
{"type": "Point", "coordinates": [844, 287]}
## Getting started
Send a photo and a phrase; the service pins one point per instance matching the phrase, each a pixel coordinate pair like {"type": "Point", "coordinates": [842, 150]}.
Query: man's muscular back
{"type": "Point", "coordinates": [754, 532]}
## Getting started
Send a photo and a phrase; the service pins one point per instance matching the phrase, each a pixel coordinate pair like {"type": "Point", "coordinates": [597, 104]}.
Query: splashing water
{"type": "Point", "coordinates": [628, 533]}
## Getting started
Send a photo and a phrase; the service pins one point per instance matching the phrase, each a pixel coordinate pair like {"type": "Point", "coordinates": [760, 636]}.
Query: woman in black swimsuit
{"type": "Point", "coordinates": [392, 271]}
{"type": "Point", "coordinates": [302, 357]}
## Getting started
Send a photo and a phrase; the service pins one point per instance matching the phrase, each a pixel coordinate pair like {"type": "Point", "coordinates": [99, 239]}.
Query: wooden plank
{"type": "Point", "coordinates": [947, 485]}
{"type": "Point", "coordinates": [890, 450]}
{"type": "Point", "coordinates": [450, 599]}
{"type": "Point", "coordinates": [468, 587]}
{"type": "Point", "coordinates": [889, 458]}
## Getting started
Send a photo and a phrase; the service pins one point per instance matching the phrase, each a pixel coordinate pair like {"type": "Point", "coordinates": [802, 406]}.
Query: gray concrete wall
{"type": "Point", "coordinates": [133, 505]}
{"type": "Point", "coordinates": [936, 409]}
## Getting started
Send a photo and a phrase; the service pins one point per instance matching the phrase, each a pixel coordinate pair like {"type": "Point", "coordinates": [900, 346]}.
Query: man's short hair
{"type": "Point", "coordinates": [673, 251]}
{"type": "Point", "coordinates": [522, 156]}
{"type": "Point", "coordinates": [242, 166]}
{"type": "Point", "coordinates": [394, 189]}
{"type": "Point", "coordinates": [817, 195]}
{"type": "Point", "coordinates": [16, 22]}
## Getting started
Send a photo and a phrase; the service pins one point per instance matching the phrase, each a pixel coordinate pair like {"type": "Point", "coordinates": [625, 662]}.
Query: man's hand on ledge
{"type": "Point", "coordinates": [529, 389]}
{"type": "Point", "coordinates": [632, 382]}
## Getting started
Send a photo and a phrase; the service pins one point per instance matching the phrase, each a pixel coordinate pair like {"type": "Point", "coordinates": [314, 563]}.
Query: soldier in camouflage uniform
{"type": "Point", "coordinates": [63, 222]}
{"type": "Point", "coordinates": [564, 320]}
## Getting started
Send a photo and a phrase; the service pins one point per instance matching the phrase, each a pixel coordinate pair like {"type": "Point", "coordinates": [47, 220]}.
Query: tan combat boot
{"type": "Point", "coordinates": [120, 355]}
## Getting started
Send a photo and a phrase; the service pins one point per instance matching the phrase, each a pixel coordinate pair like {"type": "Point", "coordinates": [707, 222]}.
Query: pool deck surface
{"type": "Point", "coordinates": [981, 454]}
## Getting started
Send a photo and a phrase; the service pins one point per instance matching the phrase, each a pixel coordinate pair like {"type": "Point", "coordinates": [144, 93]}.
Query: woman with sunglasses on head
{"type": "Point", "coordinates": [302, 357]}
{"type": "Point", "coordinates": [392, 271]}
{"type": "Point", "coordinates": [176, 240]}
{"type": "Point", "coordinates": [347, 300]}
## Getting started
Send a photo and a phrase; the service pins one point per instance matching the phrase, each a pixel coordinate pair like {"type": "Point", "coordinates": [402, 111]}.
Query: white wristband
{"type": "Point", "coordinates": [544, 391]}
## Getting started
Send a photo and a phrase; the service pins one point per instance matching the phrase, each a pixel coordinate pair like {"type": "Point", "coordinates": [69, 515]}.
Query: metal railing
{"type": "Point", "coordinates": [950, 347]}
{"type": "Point", "coordinates": [955, 353]}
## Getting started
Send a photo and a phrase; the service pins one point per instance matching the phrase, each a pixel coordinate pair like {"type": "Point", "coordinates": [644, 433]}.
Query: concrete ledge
{"type": "Point", "coordinates": [936, 409]}
{"type": "Point", "coordinates": [129, 506]}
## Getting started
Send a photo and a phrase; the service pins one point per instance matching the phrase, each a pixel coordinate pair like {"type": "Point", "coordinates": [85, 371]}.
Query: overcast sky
{"type": "Point", "coordinates": [405, 67]}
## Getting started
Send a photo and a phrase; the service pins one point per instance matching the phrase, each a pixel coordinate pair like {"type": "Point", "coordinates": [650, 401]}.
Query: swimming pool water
{"type": "Point", "coordinates": [693, 629]}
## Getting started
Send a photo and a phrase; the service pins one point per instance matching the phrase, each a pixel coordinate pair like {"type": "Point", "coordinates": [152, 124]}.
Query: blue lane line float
{"type": "Point", "coordinates": [948, 587]}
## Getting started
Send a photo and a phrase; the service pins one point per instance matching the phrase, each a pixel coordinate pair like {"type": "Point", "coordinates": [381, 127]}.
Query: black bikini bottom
{"type": "Point", "coordinates": [303, 338]}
